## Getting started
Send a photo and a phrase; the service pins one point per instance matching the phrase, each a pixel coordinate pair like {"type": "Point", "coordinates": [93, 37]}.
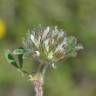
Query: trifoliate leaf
{"type": "Point", "coordinates": [11, 59]}
{"type": "Point", "coordinates": [19, 52]}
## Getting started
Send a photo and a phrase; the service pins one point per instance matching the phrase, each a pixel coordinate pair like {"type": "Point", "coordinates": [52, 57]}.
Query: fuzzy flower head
{"type": "Point", "coordinates": [51, 44]}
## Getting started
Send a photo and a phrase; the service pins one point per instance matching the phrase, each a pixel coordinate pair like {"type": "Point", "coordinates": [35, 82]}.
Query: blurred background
{"type": "Point", "coordinates": [76, 76]}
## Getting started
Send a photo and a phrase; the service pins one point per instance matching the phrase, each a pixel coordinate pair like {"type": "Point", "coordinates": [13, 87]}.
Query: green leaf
{"type": "Point", "coordinates": [20, 58]}
{"type": "Point", "coordinates": [10, 59]}
{"type": "Point", "coordinates": [19, 52]}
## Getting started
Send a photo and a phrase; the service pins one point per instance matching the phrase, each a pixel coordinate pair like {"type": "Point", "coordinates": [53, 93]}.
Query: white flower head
{"type": "Point", "coordinates": [51, 43]}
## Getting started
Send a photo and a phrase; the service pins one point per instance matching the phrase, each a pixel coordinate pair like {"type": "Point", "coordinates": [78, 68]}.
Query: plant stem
{"type": "Point", "coordinates": [38, 87]}
{"type": "Point", "coordinates": [38, 80]}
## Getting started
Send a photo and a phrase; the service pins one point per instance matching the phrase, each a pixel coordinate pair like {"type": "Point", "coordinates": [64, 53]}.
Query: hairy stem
{"type": "Point", "coordinates": [38, 87]}
{"type": "Point", "coordinates": [38, 80]}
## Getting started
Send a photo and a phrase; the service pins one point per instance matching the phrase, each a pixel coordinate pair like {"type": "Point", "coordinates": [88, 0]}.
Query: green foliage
{"type": "Point", "coordinates": [19, 53]}
{"type": "Point", "coordinates": [11, 59]}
